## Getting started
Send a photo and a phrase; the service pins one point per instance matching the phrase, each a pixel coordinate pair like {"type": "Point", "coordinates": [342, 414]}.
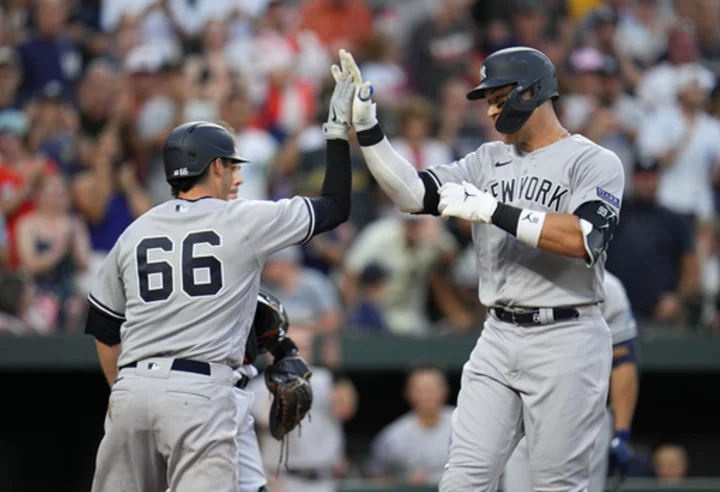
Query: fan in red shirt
{"type": "Point", "coordinates": [20, 172]}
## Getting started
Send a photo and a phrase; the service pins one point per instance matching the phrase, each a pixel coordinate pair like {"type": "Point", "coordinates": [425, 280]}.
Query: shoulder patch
{"type": "Point", "coordinates": [608, 197]}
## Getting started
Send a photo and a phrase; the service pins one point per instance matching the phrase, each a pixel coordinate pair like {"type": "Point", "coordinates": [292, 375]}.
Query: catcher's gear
{"type": "Point", "coordinates": [269, 327]}
{"type": "Point", "coordinates": [191, 147]}
{"type": "Point", "coordinates": [288, 379]}
{"type": "Point", "coordinates": [530, 71]}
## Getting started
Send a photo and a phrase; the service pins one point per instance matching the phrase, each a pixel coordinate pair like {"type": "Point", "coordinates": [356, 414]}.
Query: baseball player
{"type": "Point", "coordinates": [172, 307]}
{"type": "Point", "coordinates": [268, 335]}
{"type": "Point", "coordinates": [544, 205]}
{"type": "Point", "coordinates": [623, 396]}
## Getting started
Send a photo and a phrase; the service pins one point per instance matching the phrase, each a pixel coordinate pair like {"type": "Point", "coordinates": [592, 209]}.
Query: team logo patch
{"type": "Point", "coordinates": [483, 73]}
{"type": "Point", "coordinates": [608, 197]}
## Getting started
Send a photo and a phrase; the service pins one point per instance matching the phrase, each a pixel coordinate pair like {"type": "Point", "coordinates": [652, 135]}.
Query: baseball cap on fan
{"type": "Point", "coordinates": [694, 75]}
{"type": "Point", "coordinates": [144, 59]}
{"type": "Point", "coordinates": [586, 60]}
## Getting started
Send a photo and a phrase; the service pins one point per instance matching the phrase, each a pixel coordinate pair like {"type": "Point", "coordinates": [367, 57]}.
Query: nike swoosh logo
{"type": "Point", "coordinates": [500, 164]}
{"type": "Point", "coordinates": [334, 116]}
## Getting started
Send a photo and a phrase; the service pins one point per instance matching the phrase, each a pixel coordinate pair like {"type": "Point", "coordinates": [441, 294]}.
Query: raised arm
{"type": "Point", "coordinates": [411, 191]}
{"type": "Point", "coordinates": [277, 225]}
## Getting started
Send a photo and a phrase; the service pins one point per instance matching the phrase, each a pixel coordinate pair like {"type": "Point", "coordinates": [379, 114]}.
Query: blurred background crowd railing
{"type": "Point", "coordinates": [89, 89]}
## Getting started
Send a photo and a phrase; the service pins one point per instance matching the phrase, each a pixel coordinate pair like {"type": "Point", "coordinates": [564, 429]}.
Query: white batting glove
{"type": "Point", "coordinates": [341, 102]}
{"type": "Point", "coordinates": [364, 109]}
{"type": "Point", "coordinates": [465, 201]}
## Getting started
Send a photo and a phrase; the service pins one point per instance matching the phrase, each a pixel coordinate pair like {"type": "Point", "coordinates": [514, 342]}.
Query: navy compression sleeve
{"type": "Point", "coordinates": [332, 207]}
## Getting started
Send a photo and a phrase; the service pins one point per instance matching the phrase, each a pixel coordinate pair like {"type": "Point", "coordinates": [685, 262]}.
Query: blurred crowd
{"type": "Point", "coordinates": [89, 89]}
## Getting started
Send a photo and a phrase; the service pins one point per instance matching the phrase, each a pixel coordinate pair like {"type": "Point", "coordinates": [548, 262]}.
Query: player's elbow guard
{"type": "Point", "coordinates": [597, 223]}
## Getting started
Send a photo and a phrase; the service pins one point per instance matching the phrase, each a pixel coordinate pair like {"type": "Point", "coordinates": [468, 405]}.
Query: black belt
{"type": "Point", "coordinates": [532, 316]}
{"type": "Point", "coordinates": [310, 474]}
{"type": "Point", "coordinates": [194, 366]}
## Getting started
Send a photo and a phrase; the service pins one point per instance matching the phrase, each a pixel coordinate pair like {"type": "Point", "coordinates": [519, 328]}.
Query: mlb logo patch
{"type": "Point", "coordinates": [608, 197]}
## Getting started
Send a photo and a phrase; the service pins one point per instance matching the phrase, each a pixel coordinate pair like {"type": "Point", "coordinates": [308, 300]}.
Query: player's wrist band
{"type": "Point", "coordinates": [372, 136]}
{"type": "Point", "coordinates": [622, 434]}
{"type": "Point", "coordinates": [285, 348]}
{"type": "Point", "coordinates": [524, 224]}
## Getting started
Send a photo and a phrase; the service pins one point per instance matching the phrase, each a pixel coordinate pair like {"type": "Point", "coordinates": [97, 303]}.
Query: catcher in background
{"type": "Point", "coordinates": [287, 379]}
{"type": "Point", "coordinates": [314, 454]}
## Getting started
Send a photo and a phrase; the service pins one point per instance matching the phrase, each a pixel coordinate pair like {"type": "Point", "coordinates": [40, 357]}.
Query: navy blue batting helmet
{"type": "Point", "coordinates": [528, 70]}
{"type": "Point", "coordinates": [191, 147]}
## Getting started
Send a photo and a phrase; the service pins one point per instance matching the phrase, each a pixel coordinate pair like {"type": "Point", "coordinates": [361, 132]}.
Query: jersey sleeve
{"type": "Point", "coordinates": [272, 226]}
{"type": "Point", "coordinates": [617, 311]}
{"type": "Point", "coordinates": [598, 177]}
{"type": "Point", "coordinates": [108, 293]}
{"type": "Point", "coordinates": [465, 169]}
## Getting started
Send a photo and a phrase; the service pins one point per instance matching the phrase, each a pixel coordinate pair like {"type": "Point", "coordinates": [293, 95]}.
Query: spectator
{"type": "Point", "coordinates": [686, 142]}
{"type": "Point", "coordinates": [108, 196]}
{"type": "Point", "coordinates": [20, 173]}
{"type": "Point", "coordinates": [578, 106]}
{"type": "Point", "coordinates": [49, 55]}
{"type": "Point", "coordinates": [53, 246]}
{"type": "Point", "coordinates": [658, 86]}
{"type": "Point", "coordinates": [617, 119]}
{"type": "Point", "coordinates": [10, 77]}
{"type": "Point", "coordinates": [345, 24]}
{"type": "Point", "coordinates": [671, 463]}
{"type": "Point", "coordinates": [414, 142]}
{"type": "Point", "coordinates": [368, 314]}
{"type": "Point", "coordinates": [18, 315]}
{"type": "Point", "coordinates": [414, 448]}
{"type": "Point", "coordinates": [309, 297]}
{"type": "Point", "coordinates": [411, 248]}
{"type": "Point", "coordinates": [54, 123]}
{"type": "Point", "coordinates": [643, 32]}
{"type": "Point", "coordinates": [653, 253]}
{"type": "Point", "coordinates": [318, 456]}
{"type": "Point", "coordinates": [383, 67]}
{"type": "Point", "coordinates": [256, 145]}
{"type": "Point", "coordinates": [529, 21]}
{"type": "Point", "coordinates": [441, 47]}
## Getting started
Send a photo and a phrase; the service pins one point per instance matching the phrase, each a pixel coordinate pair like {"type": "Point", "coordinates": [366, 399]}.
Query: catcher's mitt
{"type": "Point", "coordinates": [288, 381]}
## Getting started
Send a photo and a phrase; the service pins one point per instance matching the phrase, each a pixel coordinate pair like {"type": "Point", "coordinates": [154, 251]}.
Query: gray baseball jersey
{"type": "Point", "coordinates": [185, 276]}
{"type": "Point", "coordinates": [406, 446]}
{"type": "Point", "coordinates": [556, 178]}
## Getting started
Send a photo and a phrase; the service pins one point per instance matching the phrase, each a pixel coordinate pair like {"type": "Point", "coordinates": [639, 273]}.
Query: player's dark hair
{"type": "Point", "coordinates": [183, 185]}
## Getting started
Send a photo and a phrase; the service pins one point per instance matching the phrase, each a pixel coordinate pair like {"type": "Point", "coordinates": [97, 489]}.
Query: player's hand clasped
{"type": "Point", "coordinates": [364, 110]}
{"type": "Point", "coordinates": [465, 201]}
{"type": "Point", "coordinates": [341, 102]}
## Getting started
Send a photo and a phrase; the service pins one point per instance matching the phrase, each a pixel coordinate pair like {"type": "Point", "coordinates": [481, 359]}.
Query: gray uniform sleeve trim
{"type": "Point", "coordinates": [311, 226]}
{"type": "Point", "coordinates": [100, 306]}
